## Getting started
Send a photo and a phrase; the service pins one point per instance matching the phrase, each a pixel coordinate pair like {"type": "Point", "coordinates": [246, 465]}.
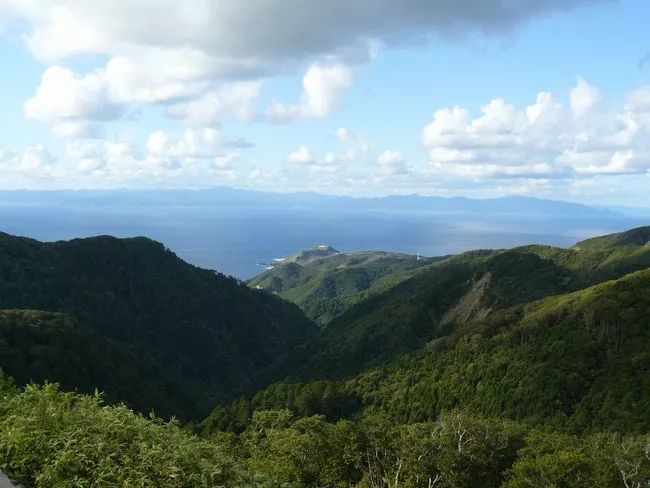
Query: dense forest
{"type": "Point", "coordinates": [527, 367]}
{"type": "Point", "coordinates": [130, 318]}
{"type": "Point", "coordinates": [455, 292]}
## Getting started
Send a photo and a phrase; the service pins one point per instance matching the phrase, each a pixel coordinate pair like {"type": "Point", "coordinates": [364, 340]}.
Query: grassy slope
{"type": "Point", "coordinates": [325, 283]}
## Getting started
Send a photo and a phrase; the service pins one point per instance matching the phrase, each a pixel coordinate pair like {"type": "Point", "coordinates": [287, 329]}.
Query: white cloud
{"type": "Point", "coordinates": [302, 155]}
{"type": "Point", "coordinates": [584, 98]}
{"type": "Point", "coordinates": [639, 100]}
{"type": "Point", "coordinates": [239, 37]}
{"type": "Point", "coordinates": [324, 87]}
{"type": "Point", "coordinates": [392, 162]}
{"type": "Point", "coordinates": [193, 48]}
{"type": "Point", "coordinates": [154, 75]}
{"type": "Point", "coordinates": [73, 105]}
{"type": "Point", "coordinates": [78, 105]}
{"type": "Point", "coordinates": [34, 165]}
{"type": "Point", "coordinates": [235, 99]}
{"type": "Point", "coordinates": [210, 145]}
{"type": "Point", "coordinates": [225, 162]}
{"type": "Point", "coordinates": [543, 140]}
{"type": "Point", "coordinates": [358, 147]}
{"type": "Point", "coordinates": [195, 158]}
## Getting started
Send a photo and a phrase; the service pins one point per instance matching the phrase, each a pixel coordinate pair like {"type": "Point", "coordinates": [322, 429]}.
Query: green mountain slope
{"type": "Point", "coordinates": [536, 333]}
{"type": "Point", "coordinates": [456, 291]}
{"type": "Point", "coordinates": [582, 358]}
{"type": "Point", "coordinates": [634, 237]}
{"type": "Point", "coordinates": [189, 336]}
{"type": "Point", "coordinates": [325, 283]}
{"type": "Point", "coordinates": [578, 361]}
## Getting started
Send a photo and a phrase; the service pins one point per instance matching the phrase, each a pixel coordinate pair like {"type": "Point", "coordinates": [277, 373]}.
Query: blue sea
{"type": "Point", "coordinates": [234, 240]}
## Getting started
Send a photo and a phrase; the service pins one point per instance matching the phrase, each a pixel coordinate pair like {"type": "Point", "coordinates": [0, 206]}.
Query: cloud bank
{"type": "Point", "coordinates": [544, 139]}
{"type": "Point", "coordinates": [188, 57]}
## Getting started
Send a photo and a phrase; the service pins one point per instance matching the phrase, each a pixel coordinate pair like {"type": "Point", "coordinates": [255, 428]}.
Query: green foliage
{"type": "Point", "coordinates": [458, 450]}
{"type": "Point", "coordinates": [576, 362]}
{"type": "Point", "coordinates": [53, 439]}
{"type": "Point", "coordinates": [638, 237]}
{"type": "Point", "coordinates": [554, 365]}
{"type": "Point", "coordinates": [561, 461]}
{"type": "Point", "coordinates": [39, 346]}
{"type": "Point", "coordinates": [519, 368]}
{"type": "Point", "coordinates": [137, 322]}
{"type": "Point", "coordinates": [302, 451]}
{"type": "Point", "coordinates": [333, 400]}
{"type": "Point", "coordinates": [446, 300]}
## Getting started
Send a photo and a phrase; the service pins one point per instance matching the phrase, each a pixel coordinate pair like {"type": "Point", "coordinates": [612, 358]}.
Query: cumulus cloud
{"type": "Point", "coordinates": [235, 99]}
{"type": "Point", "coordinates": [71, 27]}
{"type": "Point", "coordinates": [543, 140]}
{"type": "Point", "coordinates": [194, 47]}
{"type": "Point", "coordinates": [204, 143]}
{"type": "Point", "coordinates": [78, 105]}
{"type": "Point", "coordinates": [392, 162]}
{"type": "Point", "coordinates": [324, 87]}
{"type": "Point", "coordinates": [302, 155]}
{"type": "Point", "coordinates": [193, 158]}
{"type": "Point", "coordinates": [585, 98]}
{"type": "Point", "coordinates": [357, 147]}
{"type": "Point", "coordinates": [72, 105]}
{"type": "Point", "coordinates": [639, 100]}
{"type": "Point", "coordinates": [34, 165]}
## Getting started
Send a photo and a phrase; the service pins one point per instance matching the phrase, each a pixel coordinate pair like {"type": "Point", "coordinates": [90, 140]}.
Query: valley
{"type": "Point", "coordinates": [329, 353]}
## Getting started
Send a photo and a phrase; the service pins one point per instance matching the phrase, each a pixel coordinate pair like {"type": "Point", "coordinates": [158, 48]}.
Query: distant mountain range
{"type": "Point", "coordinates": [234, 231]}
{"type": "Point", "coordinates": [226, 197]}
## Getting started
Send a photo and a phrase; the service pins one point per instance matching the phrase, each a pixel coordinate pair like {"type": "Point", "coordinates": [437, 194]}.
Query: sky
{"type": "Point", "coordinates": [546, 98]}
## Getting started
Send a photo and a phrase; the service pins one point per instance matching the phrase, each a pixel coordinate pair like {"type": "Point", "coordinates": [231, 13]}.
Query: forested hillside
{"type": "Point", "coordinates": [325, 283]}
{"type": "Point", "coordinates": [519, 368]}
{"type": "Point", "coordinates": [136, 321]}
{"type": "Point", "coordinates": [576, 361]}
{"type": "Point", "coordinates": [456, 291]}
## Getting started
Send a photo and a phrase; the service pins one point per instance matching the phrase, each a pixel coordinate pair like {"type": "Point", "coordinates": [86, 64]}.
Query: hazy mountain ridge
{"type": "Point", "coordinates": [225, 196]}
{"type": "Point", "coordinates": [234, 230]}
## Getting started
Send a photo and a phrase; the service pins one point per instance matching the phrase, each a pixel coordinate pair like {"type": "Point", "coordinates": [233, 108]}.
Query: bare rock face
{"type": "Point", "coordinates": [470, 307]}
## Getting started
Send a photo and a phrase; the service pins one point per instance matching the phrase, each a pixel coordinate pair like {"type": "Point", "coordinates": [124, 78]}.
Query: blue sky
{"type": "Point", "coordinates": [334, 98]}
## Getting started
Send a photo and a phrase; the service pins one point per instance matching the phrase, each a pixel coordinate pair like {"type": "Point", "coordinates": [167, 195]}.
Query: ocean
{"type": "Point", "coordinates": [233, 240]}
